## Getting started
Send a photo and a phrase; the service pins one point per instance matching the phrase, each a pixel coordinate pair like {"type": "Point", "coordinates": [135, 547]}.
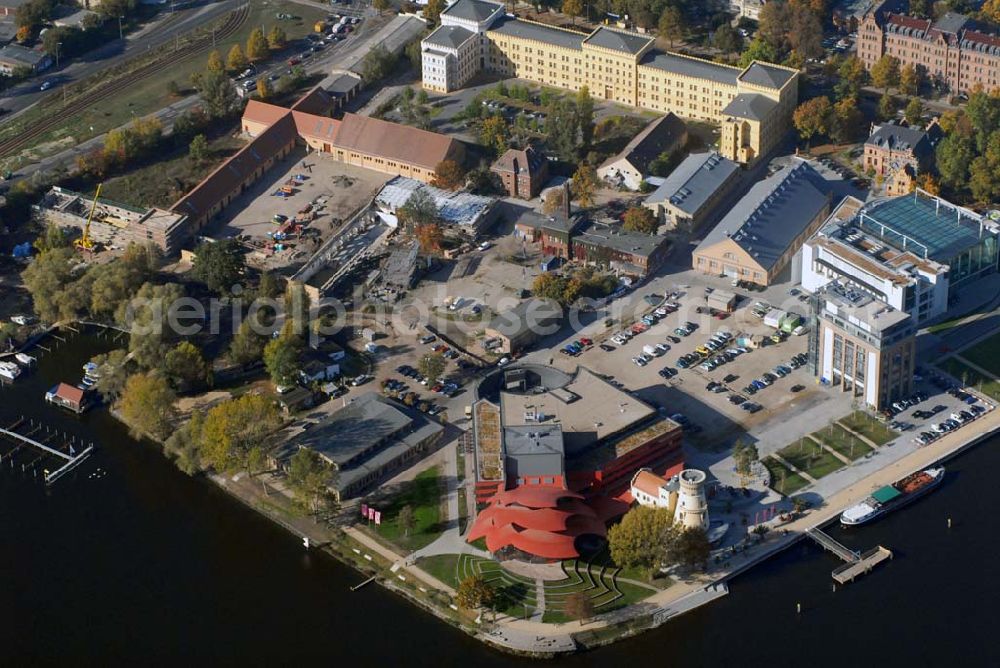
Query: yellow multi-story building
{"type": "Point", "coordinates": [753, 105]}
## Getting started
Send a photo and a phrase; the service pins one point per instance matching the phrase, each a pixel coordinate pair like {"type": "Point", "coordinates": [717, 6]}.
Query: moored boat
{"type": "Point", "coordinates": [9, 370]}
{"type": "Point", "coordinates": [891, 497]}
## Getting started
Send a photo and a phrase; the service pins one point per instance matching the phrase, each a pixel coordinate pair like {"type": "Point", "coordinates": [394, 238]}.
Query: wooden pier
{"type": "Point", "coordinates": [47, 443]}
{"type": "Point", "coordinates": [855, 564]}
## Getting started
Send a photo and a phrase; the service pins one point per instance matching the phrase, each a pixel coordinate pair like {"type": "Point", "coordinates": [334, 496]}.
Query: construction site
{"type": "Point", "coordinates": [110, 224]}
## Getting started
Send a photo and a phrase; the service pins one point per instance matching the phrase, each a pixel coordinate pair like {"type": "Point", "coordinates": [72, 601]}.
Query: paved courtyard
{"type": "Point", "coordinates": [334, 189]}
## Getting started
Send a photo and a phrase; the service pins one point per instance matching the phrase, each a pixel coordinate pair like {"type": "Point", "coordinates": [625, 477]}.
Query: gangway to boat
{"type": "Point", "coordinates": [855, 563]}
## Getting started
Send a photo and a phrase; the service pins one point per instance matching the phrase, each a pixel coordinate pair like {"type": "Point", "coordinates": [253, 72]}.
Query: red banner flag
{"type": "Point", "coordinates": [371, 513]}
{"type": "Point", "coordinates": [364, 510]}
{"type": "Point", "coordinates": [378, 517]}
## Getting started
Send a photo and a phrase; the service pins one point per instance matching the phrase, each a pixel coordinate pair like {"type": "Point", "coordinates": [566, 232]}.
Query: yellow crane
{"type": "Point", "coordinates": [85, 243]}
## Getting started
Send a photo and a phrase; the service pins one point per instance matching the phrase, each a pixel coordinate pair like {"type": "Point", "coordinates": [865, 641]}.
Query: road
{"type": "Point", "coordinates": [340, 56]}
{"type": "Point", "coordinates": [164, 28]}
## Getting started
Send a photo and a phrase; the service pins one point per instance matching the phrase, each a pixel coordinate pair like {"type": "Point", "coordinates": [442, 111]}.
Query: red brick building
{"type": "Point", "coordinates": [952, 51]}
{"type": "Point", "coordinates": [523, 172]}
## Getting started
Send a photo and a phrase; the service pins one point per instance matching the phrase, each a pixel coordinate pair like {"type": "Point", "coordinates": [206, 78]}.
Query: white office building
{"type": "Point", "coordinates": [843, 251]}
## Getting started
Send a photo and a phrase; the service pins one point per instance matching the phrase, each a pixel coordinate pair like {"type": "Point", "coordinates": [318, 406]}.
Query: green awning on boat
{"type": "Point", "coordinates": [887, 493]}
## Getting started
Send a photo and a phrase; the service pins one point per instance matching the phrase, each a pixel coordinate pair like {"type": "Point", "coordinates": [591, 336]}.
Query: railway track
{"type": "Point", "coordinates": [233, 22]}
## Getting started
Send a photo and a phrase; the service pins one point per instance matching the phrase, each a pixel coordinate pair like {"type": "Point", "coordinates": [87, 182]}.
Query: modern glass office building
{"type": "Point", "coordinates": [937, 230]}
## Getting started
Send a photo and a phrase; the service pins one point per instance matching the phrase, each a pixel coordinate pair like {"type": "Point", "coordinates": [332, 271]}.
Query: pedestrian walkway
{"type": "Point", "coordinates": [539, 612]}
{"type": "Point", "coordinates": [398, 562]}
{"type": "Point", "coordinates": [976, 367]}
{"type": "Point", "coordinates": [861, 437]}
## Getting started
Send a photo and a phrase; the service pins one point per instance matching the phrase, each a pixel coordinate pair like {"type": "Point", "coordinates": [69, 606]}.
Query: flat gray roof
{"type": "Point", "coordinates": [472, 10]}
{"type": "Point", "coordinates": [692, 67]}
{"type": "Point", "coordinates": [617, 238]}
{"type": "Point", "coordinates": [450, 37]}
{"type": "Point", "coordinates": [629, 42]}
{"type": "Point", "coordinates": [367, 434]}
{"type": "Point", "coordinates": [765, 74]}
{"type": "Point", "coordinates": [694, 181]}
{"type": "Point", "coordinates": [775, 211]}
{"type": "Point", "coordinates": [529, 314]}
{"type": "Point", "coordinates": [750, 105]}
{"type": "Point", "coordinates": [539, 32]}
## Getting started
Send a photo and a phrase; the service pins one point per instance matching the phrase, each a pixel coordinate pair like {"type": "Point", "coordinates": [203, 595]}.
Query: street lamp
{"type": "Point", "coordinates": [120, 27]}
{"type": "Point", "coordinates": [58, 45]}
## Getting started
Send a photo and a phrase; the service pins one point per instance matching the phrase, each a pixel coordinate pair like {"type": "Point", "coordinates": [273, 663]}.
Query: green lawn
{"type": "Point", "coordinates": [807, 455]}
{"type": "Point", "coordinates": [971, 377]}
{"type": "Point", "coordinates": [985, 354]}
{"type": "Point", "coordinates": [847, 444]}
{"type": "Point", "coordinates": [866, 425]}
{"type": "Point", "coordinates": [164, 181]}
{"type": "Point", "coordinates": [597, 580]}
{"type": "Point", "coordinates": [423, 494]}
{"type": "Point", "coordinates": [783, 479]}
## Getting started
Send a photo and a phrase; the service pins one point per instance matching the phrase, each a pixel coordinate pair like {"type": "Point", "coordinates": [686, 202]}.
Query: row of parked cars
{"type": "Point", "coordinates": [953, 422]}
{"type": "Point", "coordinates": [576, 347]}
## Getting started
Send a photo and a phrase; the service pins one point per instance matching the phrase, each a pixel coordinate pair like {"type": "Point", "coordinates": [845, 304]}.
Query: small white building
{"type": "Point", "coordinates": [683, 495]}
{"type": "Point", "coordinates": [629, 168]}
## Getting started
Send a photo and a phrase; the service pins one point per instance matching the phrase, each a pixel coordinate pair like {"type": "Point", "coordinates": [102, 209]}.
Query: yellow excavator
{"type": "Point", "coordinates": [85, 243]}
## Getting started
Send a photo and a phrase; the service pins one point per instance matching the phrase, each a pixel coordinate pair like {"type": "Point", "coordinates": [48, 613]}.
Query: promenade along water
{"type": "Point", "coordinates": [129, 561]}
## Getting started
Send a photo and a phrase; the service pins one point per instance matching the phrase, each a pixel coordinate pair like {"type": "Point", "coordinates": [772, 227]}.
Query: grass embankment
{"type": "Point", "coordinates": [809, 456]}
{"type": "Point", "coordinates": [153, 92]}
{"type": "Point", "coordinates": [518, 595]}
{"type": "Point", "coordinates": [783, 479]}
{"type": "Point", "coordinates": [971, 377]}
{"type": "Point", "coordinates": [985, 354]}
{"type": "Point", "coordinates": [846, 444]}
{"type": "Point", "coordinates": [423, 495]}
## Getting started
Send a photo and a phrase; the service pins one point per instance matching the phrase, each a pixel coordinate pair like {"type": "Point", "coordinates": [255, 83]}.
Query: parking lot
{"type": "Point", "coordinates": [702, 395]}
{"type": "Point", "coordinates": [331, 189]}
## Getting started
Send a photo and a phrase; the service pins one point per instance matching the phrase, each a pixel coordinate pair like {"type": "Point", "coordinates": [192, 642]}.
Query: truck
{"type": "Point", "coordinates": [652, 351]}
{"type": "Point", "coordinates": [790, 322]}
{"type": "Point", "coordinates": [319, 26]}
{"type": "Point", "coordinates": [773, 317]}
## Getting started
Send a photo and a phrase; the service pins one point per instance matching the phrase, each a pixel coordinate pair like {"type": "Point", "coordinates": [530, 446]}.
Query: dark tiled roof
{"type": "Point", "coordinates": [618, 40]}
{"type": "Point", "coordinates": [315, 101]}
{"type": "Point", "coordinates": [750, 105]}
{"type": "Point", "coordinates": [692, 67]}
{"type": "Point", "coordinates": [472, 10]}
{"type": "Point", "coordinates": [661, 135]}
{"type": "Point", "coordinates": [450, 37]}
{"type": "Point", "coordinates": [516, 161]}
{"type": "Point", "coordinates": [618, 239]}
{"type": "Point", "coordinates": [775, 211]}
{"type": "Point", "coordinates": [765, 74]}
{"type": "Point", "coordinates": [694, 181]}
{"type": "Point", "coordinates": [539, 32]}
{"type": "Point", "coordinates": [899, 138]}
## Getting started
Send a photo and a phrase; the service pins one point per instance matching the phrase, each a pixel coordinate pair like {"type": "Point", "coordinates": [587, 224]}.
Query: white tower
{"type": "Point", "coordinates": [691, 510]}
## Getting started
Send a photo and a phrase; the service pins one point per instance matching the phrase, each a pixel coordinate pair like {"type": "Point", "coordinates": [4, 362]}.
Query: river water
{"type": "Point", "coordinates": [129, 561]}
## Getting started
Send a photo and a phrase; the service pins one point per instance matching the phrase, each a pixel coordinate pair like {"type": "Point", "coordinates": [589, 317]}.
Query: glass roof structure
{"type": "Point", "coordinates": [924, 224]}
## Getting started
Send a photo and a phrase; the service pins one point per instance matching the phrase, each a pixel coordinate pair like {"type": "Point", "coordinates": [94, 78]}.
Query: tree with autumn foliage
{"type": "Point", "coordinates": [430, 237]}
{"type": "Point", "coordinates": [812, 118]}
{"type": "Point", "coordinates": [585, 184]}
{"type": "Point", "coordinates": [640, 219]}
{"type": "Point", "coordinates": [448, 175]}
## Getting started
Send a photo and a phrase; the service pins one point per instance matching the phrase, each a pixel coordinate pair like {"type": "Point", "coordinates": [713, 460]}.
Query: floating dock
{"type": "Point", "coordinates": [47, 444]}
{"type": "Point", "coordinates": [855, 564]}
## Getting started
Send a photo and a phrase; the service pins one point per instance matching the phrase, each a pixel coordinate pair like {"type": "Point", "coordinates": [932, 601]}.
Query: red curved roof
{"type": "Point", "coordinates": [542, 521]}
{"type": "Point", "coordinates": [535, 496]}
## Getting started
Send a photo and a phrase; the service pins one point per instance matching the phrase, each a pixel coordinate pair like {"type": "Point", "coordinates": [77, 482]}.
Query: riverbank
{"type": "Point", "coordinates": [525, 637]}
